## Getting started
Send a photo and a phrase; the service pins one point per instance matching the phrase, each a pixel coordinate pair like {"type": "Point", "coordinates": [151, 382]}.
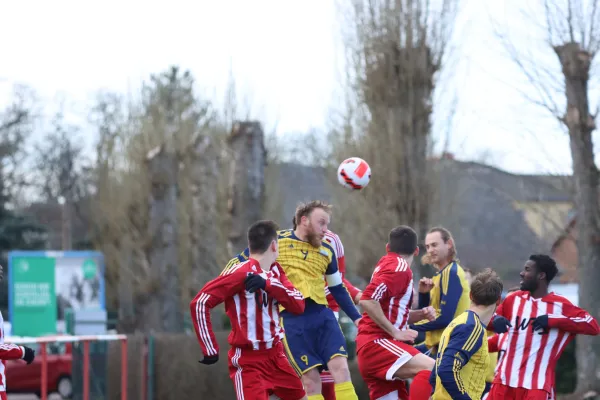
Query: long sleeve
{"type": "Point", "coordinates": [342, 268]}
{"type": "Point", "coordinates": [464, 341]}
{"type": "Point", "coordinates": [339, 292]}
{"type": "Point", "coordinates": [574, 320]}
{"type": "Point", "coordinates": [211, 295]}
{"type": "Point", "coordinates": [284, 292]}
{"type": "Point", "coordinates": [450, 294]}
{"type": "Point", "coordinates": [11, 352]}
{"type": "Point", "coordinates": [424, 300]}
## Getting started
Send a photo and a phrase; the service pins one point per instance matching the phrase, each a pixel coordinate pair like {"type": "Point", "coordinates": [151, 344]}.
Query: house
{"type": "Point", "coordinates": [564, 251]}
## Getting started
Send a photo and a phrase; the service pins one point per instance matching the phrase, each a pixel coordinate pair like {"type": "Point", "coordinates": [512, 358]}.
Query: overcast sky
{"type": "Point", "coordinates": [286, 57]}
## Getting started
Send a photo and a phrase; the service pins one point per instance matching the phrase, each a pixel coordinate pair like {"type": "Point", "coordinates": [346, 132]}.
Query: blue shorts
{"type": "Point", "coordinates": [312, 338]}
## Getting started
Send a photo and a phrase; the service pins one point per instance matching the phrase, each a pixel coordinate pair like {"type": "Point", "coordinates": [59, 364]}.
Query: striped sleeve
{"type": "Point", "coordinates": [211, 295]}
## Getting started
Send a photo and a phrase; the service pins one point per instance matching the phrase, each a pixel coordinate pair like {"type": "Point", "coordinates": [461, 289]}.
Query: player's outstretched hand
{"type": "Point", "coordinates": [29, 355]}
{"type": "Point", "coordinates": [254, 282]}
{"type": "Point", "coordinates": [408, 335]}
{"type": "Point", "coordinates": [209, 360]}
{"type": "Point", "coordinates": [540, 324]}
{"type": "Point", "coordinates": [357, 321]}
{"type": "Point", "coordinates": [429, 313]}
{"type": "Point", "coordinates": [500, 324]}
{"type": "Point", "coordinates": [425, 285]}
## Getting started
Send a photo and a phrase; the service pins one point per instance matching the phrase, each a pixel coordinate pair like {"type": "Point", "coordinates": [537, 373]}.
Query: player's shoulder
{"type": "Point", "coordinates": [391, 264]}
{"type": "Point", "coordinates": [333, 239]}
{"type": "Point", "coordinates": [244, 266]}
{"type": "Point", "coordinates": [454, 269]}
{"type": "Point", "coordinates": [556, 298]}
{"type": "Point", "coordinates": [467, 323]}
{"type": "Point", "coordinates": [326, 248]}
{"type": "Point", "coordinates": [285, 234]}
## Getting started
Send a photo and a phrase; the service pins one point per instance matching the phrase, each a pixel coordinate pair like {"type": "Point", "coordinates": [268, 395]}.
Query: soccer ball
{"type": "Point", "coordinates": [354, 173]}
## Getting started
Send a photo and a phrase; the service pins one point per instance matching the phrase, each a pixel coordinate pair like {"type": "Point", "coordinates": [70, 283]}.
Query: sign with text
{"type": "Point", "coordinates": [42, 285]}
{"type": "Point", "coordinates": [34, 296]}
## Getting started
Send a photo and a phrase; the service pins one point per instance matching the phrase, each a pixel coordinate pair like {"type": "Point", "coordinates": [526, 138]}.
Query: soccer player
{"type": "Point", "coordinates": [314, 340]}
{"type": "Point", "coordinates": [252, 291]}
{"type": "Point", "coordinates": [493, 339]}
{"type": "Point", "coordinates": [327, 382]}
{"type": "Point", "coordinates": [543, 324]}
{"type": "Point", "coordinates": [447, 291]}
{"type": "Point", "coordinates": [462, 359]}
{"type": "Point", "coordinates": [384, 353]}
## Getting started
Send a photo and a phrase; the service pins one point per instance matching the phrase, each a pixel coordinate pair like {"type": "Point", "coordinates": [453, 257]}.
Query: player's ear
{"type": "Point", "coordinates": [471, 296]}
{"type": "Point", "coordinates": [387, 247]}
{"type": "Point", "coordinates": [417, 251]}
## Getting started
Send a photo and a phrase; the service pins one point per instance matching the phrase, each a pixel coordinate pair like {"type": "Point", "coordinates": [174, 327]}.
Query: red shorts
{"type": "Point", "coordinates": [503, 392]}
{"type": "Point", "coordinates": [3, 396]}
{"type": "Point", "coordinates": [258, 373]}
{"type": "Point", "coordinates": [378, 361]}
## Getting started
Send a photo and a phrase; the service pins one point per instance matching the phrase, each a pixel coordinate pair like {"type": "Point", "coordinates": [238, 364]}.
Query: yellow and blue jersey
{"type": "Point", "coordinates": [303, 264]}
{"type": "Point", "coordinates": [462, 360]}
{"type": "Point", "coordinates": [449, 297]}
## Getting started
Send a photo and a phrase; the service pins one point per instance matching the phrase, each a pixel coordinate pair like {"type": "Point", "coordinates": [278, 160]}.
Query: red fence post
{"type": "Point", "coordinates": [124, 369]}
{"type": "Point", "coordinates": [44, 384]}
{"type": "Point", "coordinates": [86, 370]}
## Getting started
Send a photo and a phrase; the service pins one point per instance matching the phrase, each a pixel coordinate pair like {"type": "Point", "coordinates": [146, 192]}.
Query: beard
{"type": "Point", "coordinates": [529, 286]}
{"type": "Point", "coordinates": [313, 238]}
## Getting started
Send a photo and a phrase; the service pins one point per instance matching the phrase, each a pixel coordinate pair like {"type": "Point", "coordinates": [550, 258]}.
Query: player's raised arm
{"type": "Point", "coordinates": [464, 342]}
{"type": "Point", "coordinates": [211, 295]}
{"type": "Point", "coordinates": [571, 319]}
{"type": "Point", "coordinates": [450, 292]}
{"type": "Point", "coordinates": [284, 292]}
{"type": "Point", "coordinates": [338, 290]}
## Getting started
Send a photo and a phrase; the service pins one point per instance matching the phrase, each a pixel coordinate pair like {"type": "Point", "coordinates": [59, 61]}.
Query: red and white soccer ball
{"type": "Point", "coordinates": [354, 173]}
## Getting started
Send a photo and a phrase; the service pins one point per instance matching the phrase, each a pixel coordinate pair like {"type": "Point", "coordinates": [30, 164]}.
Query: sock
{"type": "Point", "coordinates": [345, 391]}
{"type": "Point", "coordinates": [420, 388]}
{"type": "Point", "coordinates": [316, 397]}
{"type": "Point", "coordinates": [328, 390]}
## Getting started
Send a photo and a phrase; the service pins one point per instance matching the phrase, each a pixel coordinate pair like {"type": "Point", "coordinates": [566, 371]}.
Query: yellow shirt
{"type": "Point", "coordinates": [304, 265]}
{"type": "Point", "coordinates": [449, 297]}
{"type": "Point", "coordinates": [462, 360]}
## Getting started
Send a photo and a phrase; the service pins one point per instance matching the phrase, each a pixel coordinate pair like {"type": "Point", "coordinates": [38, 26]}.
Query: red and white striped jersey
{"type": "Point", "coordinates": [392, 286]}
{"type": "Point", "coordinates": [7, 352]}
{"type": "Point", "coordinates": [254, 316]}
{"type": "Point", "coordinates": [338, 248]}
{"type": "Point", "coordinates": [527, 359]}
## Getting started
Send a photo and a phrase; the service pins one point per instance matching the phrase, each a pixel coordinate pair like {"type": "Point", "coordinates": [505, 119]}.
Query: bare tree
{"type": "Point", "coordinates": [395, 49]}
{"type": "Point", "coordinates": [572, 34]}
{"type": "Point", "coordinates": [60, 164]}
{"type": "Point", "coordinates": [16, 127]}
{"type": "Point", "coordinates": [144, 210]}
{"type": "Point", "coordinates": [247, 181]}
{"type": "Point", "coordinates": [162, 309]}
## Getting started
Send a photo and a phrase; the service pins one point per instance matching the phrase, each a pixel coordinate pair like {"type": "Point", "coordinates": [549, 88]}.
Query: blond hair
{"type": "Point", "coordinates": [446, 236]}
{"type": "Point", "coordinates": [305, 209]}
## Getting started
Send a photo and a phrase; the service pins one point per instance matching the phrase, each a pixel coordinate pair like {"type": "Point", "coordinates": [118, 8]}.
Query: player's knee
{"type": "Point", "coordinates": [415, 365]}
{"type": "Point", "coordinates": [338, 368]}
{"type": "Point", "coordinates": [311, 380]}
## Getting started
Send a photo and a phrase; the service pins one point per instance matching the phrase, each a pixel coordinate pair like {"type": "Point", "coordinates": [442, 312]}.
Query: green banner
{"type": "Point", "coordinates": [34, 296]}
